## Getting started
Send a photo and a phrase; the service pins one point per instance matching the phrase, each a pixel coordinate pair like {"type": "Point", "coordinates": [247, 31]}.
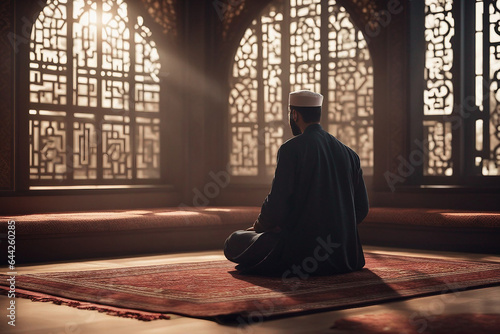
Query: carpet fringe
{"type": "Point", "coordinates": [109, 310]}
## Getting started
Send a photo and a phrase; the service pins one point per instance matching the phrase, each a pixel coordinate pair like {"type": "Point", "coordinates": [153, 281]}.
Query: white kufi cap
{"type": "Point", "coordinates": [305, 98]}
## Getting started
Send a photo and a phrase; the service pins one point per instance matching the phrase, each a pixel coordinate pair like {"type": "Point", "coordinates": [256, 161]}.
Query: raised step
{"type": "Point", "coordinates": [79, 235]}
{"type": "Point", "coordinates": [433, 229]}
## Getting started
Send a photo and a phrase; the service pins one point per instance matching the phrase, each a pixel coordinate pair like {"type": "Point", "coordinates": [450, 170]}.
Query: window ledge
{"type": "Point", "coordinates": [89, 189]}
{"type": "Point", "coordinates": [439, 188]}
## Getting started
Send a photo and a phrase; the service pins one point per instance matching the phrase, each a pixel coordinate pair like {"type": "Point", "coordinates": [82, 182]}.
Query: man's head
{"type": "Point", "coordinates": [305, 109]}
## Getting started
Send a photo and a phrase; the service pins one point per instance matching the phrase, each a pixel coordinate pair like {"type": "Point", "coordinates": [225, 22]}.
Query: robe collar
{"type": "Point", "coordinates": [313, 127]}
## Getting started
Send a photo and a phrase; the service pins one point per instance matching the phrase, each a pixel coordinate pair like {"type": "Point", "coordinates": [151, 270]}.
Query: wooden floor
{"type": "Point", "coordinates": [48, 318]}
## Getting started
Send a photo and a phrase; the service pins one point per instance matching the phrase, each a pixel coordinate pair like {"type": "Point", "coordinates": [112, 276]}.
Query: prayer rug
{"type": "Point", "coordinates": [214, 290]}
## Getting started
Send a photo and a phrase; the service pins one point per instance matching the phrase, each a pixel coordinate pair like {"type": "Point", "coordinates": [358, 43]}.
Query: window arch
{"type": "Point", "coordinates": [294, 45]}
{"type": "Point", "coordinates": [94, 95]}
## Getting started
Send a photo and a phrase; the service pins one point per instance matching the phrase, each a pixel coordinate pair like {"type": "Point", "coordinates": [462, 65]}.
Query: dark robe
{"type": "Point", "coordinates": [317, 198]}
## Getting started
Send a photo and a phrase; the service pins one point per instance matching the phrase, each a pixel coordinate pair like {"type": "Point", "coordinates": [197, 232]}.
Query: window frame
{"type": "Point", "coordinates": [262, 179]}
{"type": "Point", "coordinates": [465, 173]}
{"type": "Point", "coordinates": [169, 174]}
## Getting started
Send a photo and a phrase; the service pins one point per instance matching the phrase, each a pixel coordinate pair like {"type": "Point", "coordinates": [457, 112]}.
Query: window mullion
{"type": "Point", "coordinates": [459, 123]}
{"type": "Point", "coordinates": [69, 100]}
{"type": "Point", "coordinates": [98, 112]}
{"type": "Point", "coordinates": [467, 106]}
{"type": "Point", "coordinates": [261, 125]}
{"type": "Point", "coordinates": [486, 80]}
{"type": "Point", "coordinates": [324, 62]}
{"type": "Point", "coordinates": [131, 109]}
{"type": "Point", "coordinates": [285, 65]}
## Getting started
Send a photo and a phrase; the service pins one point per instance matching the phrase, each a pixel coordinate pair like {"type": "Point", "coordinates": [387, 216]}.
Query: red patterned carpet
{"type": "Point", "coordinates": [215, 290]}
{"type": "Point", "coordinates": [392, 323]}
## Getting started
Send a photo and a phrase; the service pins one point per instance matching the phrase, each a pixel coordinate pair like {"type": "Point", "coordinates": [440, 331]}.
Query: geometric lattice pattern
{"type": "Point", "coordinates": [438, 91]}
{"type": "Point", "coordinates": [287, 49]}
{"type": "Point", "coordinates": [350, 86]}
{"type": "Point", "coordinates": [94, 95]}
{"type": "Point", "coordinates": [164, 12]}
{"type": "Point", "coordinates": [488, 95]}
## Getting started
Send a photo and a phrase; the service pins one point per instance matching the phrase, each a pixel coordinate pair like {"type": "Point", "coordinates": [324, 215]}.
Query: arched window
{"type": "Point", "coordinates": [293, 45]}
{"type": "Point", "coordinates": [461, 100]}
{"type": "Point", "coordinates": [94, 98]}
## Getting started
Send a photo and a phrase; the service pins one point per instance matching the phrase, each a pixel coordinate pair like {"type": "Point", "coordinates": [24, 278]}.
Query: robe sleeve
{"type": "Point", "coordinates": [276, 206]}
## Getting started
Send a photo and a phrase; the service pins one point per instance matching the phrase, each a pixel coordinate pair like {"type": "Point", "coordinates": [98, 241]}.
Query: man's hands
{"type": "Point", "coordinates": [256, 227]}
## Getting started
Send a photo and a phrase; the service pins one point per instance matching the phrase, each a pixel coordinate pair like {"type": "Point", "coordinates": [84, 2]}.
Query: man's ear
{"type": "Point", "coordinates": [295, 115]}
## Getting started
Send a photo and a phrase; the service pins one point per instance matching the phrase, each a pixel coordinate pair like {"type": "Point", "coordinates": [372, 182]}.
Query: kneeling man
{"type": "Point", "coordinates": [308, 221]}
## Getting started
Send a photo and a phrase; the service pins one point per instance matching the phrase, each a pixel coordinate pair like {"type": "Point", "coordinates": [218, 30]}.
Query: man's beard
{"type": "Point", "coordinates": [295, 128]}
